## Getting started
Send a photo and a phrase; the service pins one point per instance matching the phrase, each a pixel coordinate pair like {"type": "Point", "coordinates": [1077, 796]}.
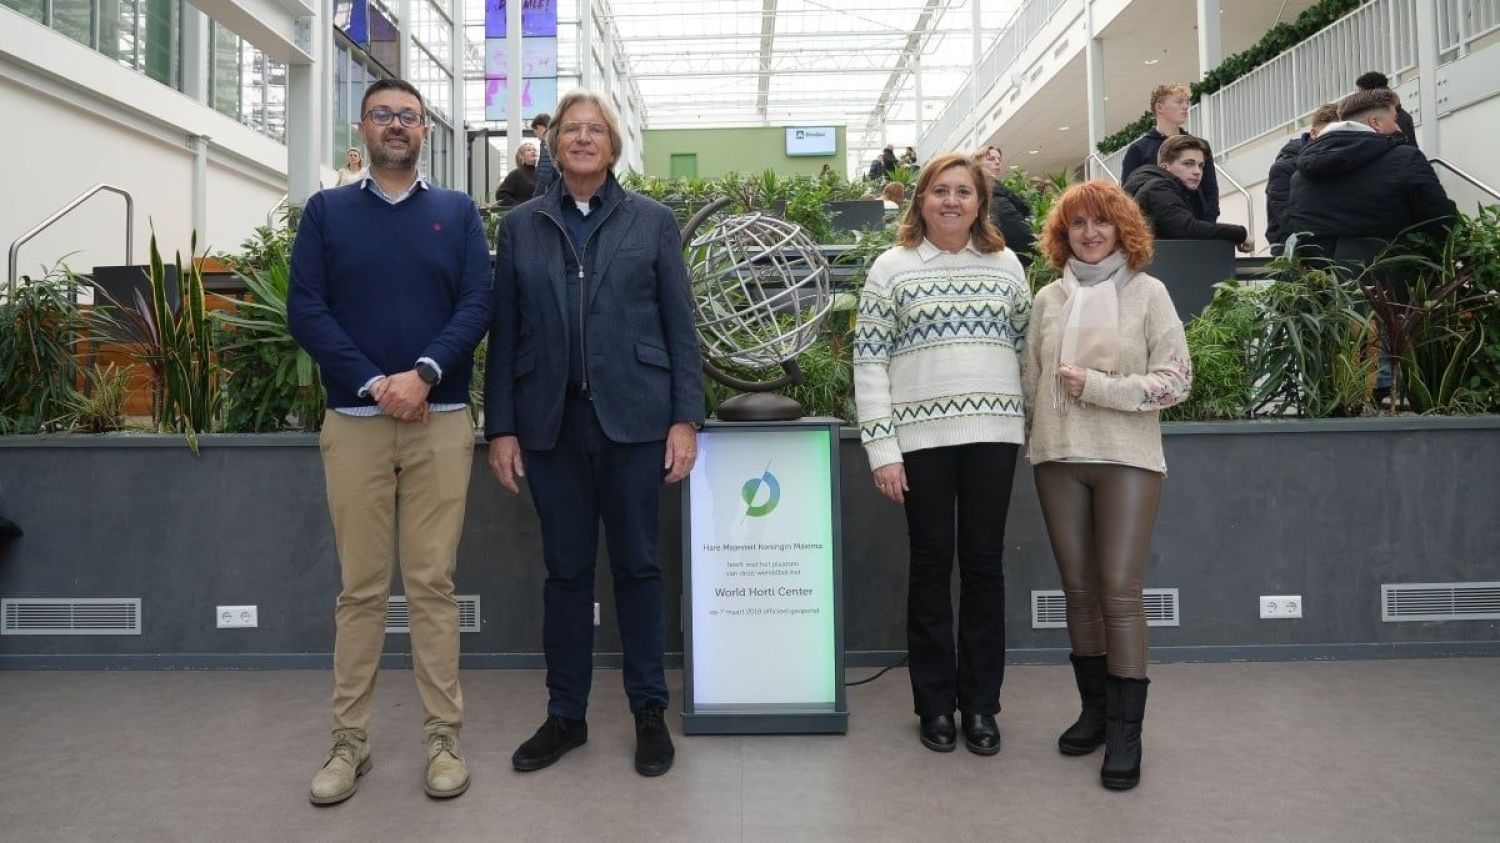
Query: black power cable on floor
{"type": "Point", "coordinates": [899, 662]}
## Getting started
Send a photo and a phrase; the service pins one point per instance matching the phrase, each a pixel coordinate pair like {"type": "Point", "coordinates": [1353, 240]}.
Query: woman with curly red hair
{"type": "Point", "coordinates": [1104, 353]}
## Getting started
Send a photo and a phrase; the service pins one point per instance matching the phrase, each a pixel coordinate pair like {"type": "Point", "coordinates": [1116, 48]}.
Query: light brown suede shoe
{"type": "Point", "coordinates": [348, 759]}
{"type": "Point", "coordinates": [447, 773]}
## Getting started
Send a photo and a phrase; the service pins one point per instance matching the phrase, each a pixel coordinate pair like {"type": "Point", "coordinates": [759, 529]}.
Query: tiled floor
{"type": "Point", "coordinates": [1373, 750]}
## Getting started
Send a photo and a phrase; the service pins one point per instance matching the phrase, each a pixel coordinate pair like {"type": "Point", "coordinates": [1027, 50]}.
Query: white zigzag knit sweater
{"type": "Point", "coordinates": [936, 347]}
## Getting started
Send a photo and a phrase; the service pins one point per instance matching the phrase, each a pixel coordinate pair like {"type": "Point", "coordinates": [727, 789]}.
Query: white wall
{"type": "Point", "coordinates": [78, 119]}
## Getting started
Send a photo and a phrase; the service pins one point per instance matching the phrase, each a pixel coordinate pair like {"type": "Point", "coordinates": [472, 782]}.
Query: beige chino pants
{"type": "Point", "coordinates": [397, 490]}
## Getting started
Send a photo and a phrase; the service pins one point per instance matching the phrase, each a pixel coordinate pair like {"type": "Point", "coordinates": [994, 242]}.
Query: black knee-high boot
{"type": "Point", "coordinates": [1087, 732]}
{"type": "Point", "coordinates": [1125, 708]}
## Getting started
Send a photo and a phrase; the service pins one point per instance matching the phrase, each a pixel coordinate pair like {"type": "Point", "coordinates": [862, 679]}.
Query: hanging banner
{"type": "Point", "coordinates": [538, 59]}
{"type": "Point", "coordinates": [538, 17]}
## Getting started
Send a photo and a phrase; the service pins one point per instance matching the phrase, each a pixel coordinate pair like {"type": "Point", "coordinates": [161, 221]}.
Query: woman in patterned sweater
{"type": "Point", "coordinates": [938, 389]}
{"type": "Point", "coordinates": [1104, 353]}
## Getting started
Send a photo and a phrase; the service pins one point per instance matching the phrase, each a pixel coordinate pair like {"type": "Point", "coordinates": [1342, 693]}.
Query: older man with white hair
{"type": "Point", "coordinates": [593, 394]}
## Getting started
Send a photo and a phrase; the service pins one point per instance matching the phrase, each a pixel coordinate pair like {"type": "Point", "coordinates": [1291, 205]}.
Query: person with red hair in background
{"type": "Point", "coordinates": [1104, 354]}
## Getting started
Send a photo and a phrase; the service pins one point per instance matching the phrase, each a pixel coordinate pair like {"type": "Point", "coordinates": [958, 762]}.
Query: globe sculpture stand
{"type": "Point", "coordinates": [761, 293]}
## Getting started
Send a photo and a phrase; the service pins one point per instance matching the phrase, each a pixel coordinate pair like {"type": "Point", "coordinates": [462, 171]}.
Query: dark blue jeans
{"type": "Point", "coordinates": [583, 479]}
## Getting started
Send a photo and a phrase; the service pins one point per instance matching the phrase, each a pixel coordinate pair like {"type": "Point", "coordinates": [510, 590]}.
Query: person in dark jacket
{"type": "Point", "coordinates": [1166, 193]}
{"type": "Point", "coordinates": [1170, 104]}
{"type": "Point", "coordinates": [1375, 80]}
{"type": "Point", "coordinates": [1279, 182]}
{"type": "Point", "coordinates": [546, 171]}
{"type": "Point", "coordinates": [1359, 178]}
{"type": "Point", "coordinates": [520, 183]}
{"type": "Point", "coordinates": [593, 393]}
{"type": "Point", "coordinates": [1008, 212]}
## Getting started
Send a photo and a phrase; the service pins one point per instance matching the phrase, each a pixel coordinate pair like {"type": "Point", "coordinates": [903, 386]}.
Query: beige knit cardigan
{"type": "Point", "coordinates": [1118, 417]}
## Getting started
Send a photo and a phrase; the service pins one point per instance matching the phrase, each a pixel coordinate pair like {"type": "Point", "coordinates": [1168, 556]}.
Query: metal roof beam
{"type": "Point", "coordinates": [767, 41]}
{"type": "Point", "coordinates": [914, 43]}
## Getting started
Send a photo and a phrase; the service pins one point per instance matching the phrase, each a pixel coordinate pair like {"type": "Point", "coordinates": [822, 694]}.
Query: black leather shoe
{"type": "Point", "coordinates": [938, 733]}
{"type": "Point", "coordinates": [653, 743]}
{"type": "Point", "coordinates": [981, 734]}
{"type": "Point", "coordinates": [557, 736]}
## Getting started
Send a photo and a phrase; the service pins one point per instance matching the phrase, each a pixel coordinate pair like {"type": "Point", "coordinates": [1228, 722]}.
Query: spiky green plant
{"type": "Point", "coordinates": [39, 324]}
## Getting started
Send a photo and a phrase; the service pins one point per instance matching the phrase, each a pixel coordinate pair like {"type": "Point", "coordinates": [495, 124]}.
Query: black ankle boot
{"type": "Point", "coordinates": [1125, 708]}
{"type": "Point", "coordinates": [1087, 732]}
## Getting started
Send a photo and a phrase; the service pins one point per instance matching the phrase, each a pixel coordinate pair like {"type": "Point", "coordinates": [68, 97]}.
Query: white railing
{"type": "Point", "coordinates": [1378, 35]}
{"type": "Point", "coordinates": [1024, 26]}
{"type": "Point", "coordinates": [1461, 22]}
{"type": "Point", "coordinates": [1113, 162]}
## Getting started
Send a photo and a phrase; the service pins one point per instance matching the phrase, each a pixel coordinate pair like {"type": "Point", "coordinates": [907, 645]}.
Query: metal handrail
{"type": "Point", "coordinates": [1249, 200]}
{"type": "Point", "coordinates": [1103, 165]}
{"type": "Point", "coordinates": [15, 247]}
{"type": "Point", "coordinates": [271, 214]}
{"type": "Point", "coordinates": [1465, 176]}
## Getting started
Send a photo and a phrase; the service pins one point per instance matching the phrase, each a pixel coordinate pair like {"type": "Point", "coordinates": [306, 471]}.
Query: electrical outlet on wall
{"type": "Point", "coordinates": [1280, 606]}
{"type": "Point", "coordinates": [236, 617]}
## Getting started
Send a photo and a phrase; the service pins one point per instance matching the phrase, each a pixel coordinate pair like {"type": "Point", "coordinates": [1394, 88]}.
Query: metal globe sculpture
{"type": "Point", "coordinates": [761, 292]}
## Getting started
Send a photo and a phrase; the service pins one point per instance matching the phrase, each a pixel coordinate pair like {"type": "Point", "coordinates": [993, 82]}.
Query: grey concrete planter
{"type": "Point", "coordinates": [1329, 510]}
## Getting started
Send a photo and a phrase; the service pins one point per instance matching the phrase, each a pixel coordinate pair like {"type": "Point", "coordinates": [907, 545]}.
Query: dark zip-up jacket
{"type": "Point", "coordinates": [641, 364]}
{"type": "Point", "coordinates": [1279, 189]}
{"type": "Point", "coordinates": [1143, 152]}
{"type": "Point", "coordinates": [1168, 205]}
{"type": "Point", "coordinates": [1012, 216]}
{"type": "Point", "coordinates": [1352, 183]}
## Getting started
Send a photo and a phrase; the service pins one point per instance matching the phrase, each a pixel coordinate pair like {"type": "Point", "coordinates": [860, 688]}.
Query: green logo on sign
{"type": "Point", "coordinates": [751, 490]}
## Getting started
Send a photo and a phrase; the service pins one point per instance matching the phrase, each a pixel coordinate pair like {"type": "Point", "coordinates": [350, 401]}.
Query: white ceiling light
{"type": "Point", "coordinates": [1152, 61]}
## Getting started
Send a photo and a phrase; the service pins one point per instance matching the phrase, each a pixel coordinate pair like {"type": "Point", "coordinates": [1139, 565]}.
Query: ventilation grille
{"type": "Point", "coordinates": [1440, 601]}
{"type": "Point", "coordinates": [70, 616]}
{"type": "Point", "coordinates": [1049, 609]}
{"type": "Point", "coordinates": [397, 620]}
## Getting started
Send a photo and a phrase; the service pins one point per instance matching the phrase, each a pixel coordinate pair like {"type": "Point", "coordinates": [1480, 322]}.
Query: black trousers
{"type": "Point", "coordinates": [958, 500]}
{"type": "Point", "coordinates": [582, 480]}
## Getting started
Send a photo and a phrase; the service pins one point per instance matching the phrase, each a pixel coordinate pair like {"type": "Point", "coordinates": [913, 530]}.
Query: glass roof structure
{"type": "Point", "coordinates": [705, 63]}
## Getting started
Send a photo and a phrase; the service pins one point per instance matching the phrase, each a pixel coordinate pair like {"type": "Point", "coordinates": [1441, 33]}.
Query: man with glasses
{"type": "Point", "coordinates": [593, 394]}
{"type": "Point", "coordinates": [390, 295]}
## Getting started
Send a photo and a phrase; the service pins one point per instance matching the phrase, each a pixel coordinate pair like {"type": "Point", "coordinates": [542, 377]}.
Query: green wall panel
{"type": "Point", "coordinates": [747, 150]}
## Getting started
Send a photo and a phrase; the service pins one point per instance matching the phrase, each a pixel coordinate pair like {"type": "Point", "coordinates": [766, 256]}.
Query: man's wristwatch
{"type": "Point", "coordinates": [427, 372]}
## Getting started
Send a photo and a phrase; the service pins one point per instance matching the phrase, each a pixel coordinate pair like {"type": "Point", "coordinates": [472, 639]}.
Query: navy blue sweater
{"type": "Point", "coordinates": [376, 286]}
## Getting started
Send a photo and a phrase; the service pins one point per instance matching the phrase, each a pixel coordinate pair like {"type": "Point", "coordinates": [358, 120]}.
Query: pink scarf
{"type": "Point", "coordinates": [1091, 329]}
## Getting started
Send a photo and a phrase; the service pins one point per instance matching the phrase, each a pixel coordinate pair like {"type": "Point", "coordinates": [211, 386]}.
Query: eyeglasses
{"type": "Point", "coordinates": [384, 116]}
{"type": "Point", "coordinates": [593, 130]}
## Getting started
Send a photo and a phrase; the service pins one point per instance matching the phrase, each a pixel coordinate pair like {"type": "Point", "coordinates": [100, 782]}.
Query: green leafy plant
{"type": "Point", "coordinates": [1219, 340]}
{"type": "Point", "coordinates": [101, 407]}
{"type": "Point", "coordinates": [39, 324]}
{"type": "Point", "coordinates": [1474, 248]}
{"type": "Point", "coordinates": [272, 383]}
{"type": "Point", "coordinates": [1313, 337]}
{"type": "Point", "coordinates": [175, 345]}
